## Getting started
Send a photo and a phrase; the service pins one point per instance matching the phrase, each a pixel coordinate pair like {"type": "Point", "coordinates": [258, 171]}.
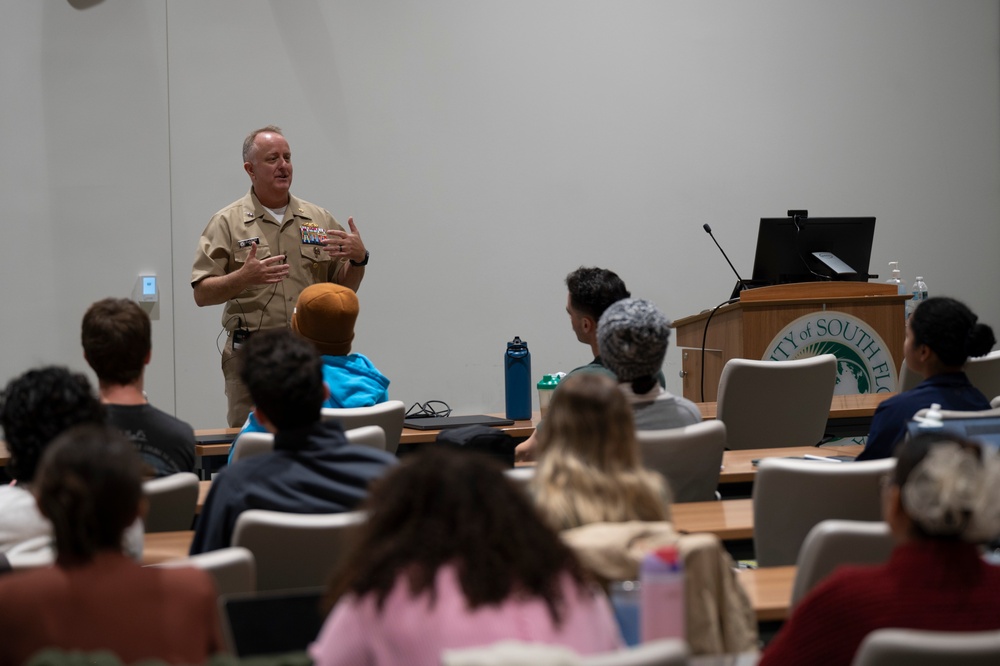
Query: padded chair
{"type": "Point", "coordinates": [255, 443]}
{"type": "Point", "coordinates": [946, 414]}
{"type": "Point", "coordinates": [984, 373]}
{"type": "Point", "coordinates": [371, 435]}
{"type": "Point", "coordinates": [689, 458]}
{"type": "Point", "coordinates": [251, 444]}
{"type": "Point", "coordinates": [389, 415]}
{"type": "Point", "coordinates": [892, 647]}
{"type": "Point", "coordinates": [295, 550]}
{"type": "Point", "coordinates": [522, 475]}
{"type": "Point", "coordinates": [791, 496]}
{"type": "Point", "coordinates": [768, 404]}
{"type": "Point", "coordinates": [834, 542]}
{"type": "Point", "coordinates": [172, 501]}
{"type": "Point", "coordinates": [664, 652]}
{"type": "Point", "coordinates": [908, 378]}
{"type": "Point", "coordinates": [995, 402]}
{"type": "Point", "coordinates": [233, 568]}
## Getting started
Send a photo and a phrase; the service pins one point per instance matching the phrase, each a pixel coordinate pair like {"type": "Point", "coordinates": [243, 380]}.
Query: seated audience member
{"type": "Point", "coordinates": [591, 291]}
{"type": "Point", "coordinates": [633, 335]}
{"type": "Point", "coordinates": [35, 408]}
{"type": "Point", "coordinates": [313, 469]}
{"type": "Point", "coordinates": [95, 598]}
{"type": "Point", "coordinates": [453, 555]}
{"type": "Point", "coordinates": [117, 343]}
{"type": "Point", "coordinates": [942, 500]}
{"type": "Point", "coordinates": [941, 335]}
{"type": "Point", "coordinates": [590, 485]}
{"type": "Point", "coordinates": [325, 315]}
{"type": "Point", "coordinates": [589, 467]}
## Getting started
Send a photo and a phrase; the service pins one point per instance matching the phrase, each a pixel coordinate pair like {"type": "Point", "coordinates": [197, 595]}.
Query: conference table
{"type": "Point", "coordinates": [730, 520]}
{"type": "Point", "coordinates": [848, 414]}
{"type": "Point", "coordinates": [769, 589]}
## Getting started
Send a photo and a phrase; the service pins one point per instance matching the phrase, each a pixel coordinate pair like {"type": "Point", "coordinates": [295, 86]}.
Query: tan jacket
{"type": "Point", "coordinates": [719, 617]}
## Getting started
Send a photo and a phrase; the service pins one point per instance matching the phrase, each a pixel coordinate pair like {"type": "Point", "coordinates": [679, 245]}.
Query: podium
{"type": "Point", "coordinates": [861, 323]}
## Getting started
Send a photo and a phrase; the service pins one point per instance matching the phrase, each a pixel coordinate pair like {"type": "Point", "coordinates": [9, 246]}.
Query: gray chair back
{"type": "Point", "coordinates": [172, 501]}
{"type": "Point", "coordinates": [689, 458]}
{"type": "Point", "coordinates": [295, 550]}
{"type": "Point", "coordinates": [521, 475]}
{"type": "Point", "coordinates": [251, 444]}
{"type": "Point", "coordinates": [663, 652]}
{"type": "Point", "coordinates": [984, 373]}
{"type": "Point", "coordinates": [372, 436]}
{"type": "Point", "coordinates": [233, 568]}
{"type": "Point", "coordinates": [895, 647]}
{"type": "Point", "coordinates": [389, 415]}
{"type": "Point", "coordinates": [791, 496]}
{"type": "Point", "coordinates": [768, 404]}
{"type": "Point", "coordinates": [834, 542]}
{"type": "Point", "coordinates": [908, 378]}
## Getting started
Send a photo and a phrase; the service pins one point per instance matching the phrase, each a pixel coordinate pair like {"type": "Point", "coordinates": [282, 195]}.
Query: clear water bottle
{"type": "Point", "coordinates": [662, 595]}
{"type": "Point", "coordinates": [919, 295]}
{"type": "Point", "coordinates": [517, 379]}
{"type": "Point", "coordinates": [546, 387]}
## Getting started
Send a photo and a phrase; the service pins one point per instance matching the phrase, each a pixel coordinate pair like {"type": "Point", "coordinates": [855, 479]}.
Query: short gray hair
{"type": "Point", "coordinates": [248, 145]}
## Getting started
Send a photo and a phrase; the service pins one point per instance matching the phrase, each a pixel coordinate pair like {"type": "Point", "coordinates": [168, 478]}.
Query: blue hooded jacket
{"type": "Point", "coordinates": [353, 382]}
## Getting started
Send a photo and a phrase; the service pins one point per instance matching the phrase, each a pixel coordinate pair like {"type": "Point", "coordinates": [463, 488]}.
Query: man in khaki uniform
{"type": "Point", "coordinates": [258, 253]}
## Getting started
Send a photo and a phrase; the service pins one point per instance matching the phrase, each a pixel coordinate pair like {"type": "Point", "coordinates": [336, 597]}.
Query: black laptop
{"type": "Point", "coordinates": [445, 422]}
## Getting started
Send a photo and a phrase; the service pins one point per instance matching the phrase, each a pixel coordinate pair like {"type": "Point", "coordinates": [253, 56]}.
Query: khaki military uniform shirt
{"type": "Point", "coordinates": [225, 244]}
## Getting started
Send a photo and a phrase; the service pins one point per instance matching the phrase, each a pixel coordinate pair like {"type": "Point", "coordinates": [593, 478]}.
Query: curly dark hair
{"type": "Point", "coordinates": [592, 290]}
{"type": "Point", "coordinates": [116, 337]}
{"type": "Point", "coordinates": [951, 330]}
{"type": "Point", "coordinates": [38, 406]}
{"type": "Point", "coordinates": [284, 375]}
{"type": "Point", "coordinates": [89, 486]}
{"type": "Point", "coordinates": [450, 507]}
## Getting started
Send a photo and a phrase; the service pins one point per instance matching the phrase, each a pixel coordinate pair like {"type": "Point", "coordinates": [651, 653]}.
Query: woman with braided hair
{"type": "Point", "coordinates": [941, 335]}
{"type": "Point", "coordinates": [942, 501]}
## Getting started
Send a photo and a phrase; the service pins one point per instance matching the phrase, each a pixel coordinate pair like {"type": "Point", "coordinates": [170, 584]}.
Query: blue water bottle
{"type": "Point", "coordinates": [517, 379]}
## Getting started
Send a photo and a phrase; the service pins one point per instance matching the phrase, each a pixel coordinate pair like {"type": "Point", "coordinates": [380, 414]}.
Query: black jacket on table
{"type": "Point", "coordinates": [312, 470]}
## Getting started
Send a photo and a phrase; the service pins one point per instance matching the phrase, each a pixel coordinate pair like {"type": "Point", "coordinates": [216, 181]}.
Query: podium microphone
{"type": "Point", "coordinates": [741, 285]}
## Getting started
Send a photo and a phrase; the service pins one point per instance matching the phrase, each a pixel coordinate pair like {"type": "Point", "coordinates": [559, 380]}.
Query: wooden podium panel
{"type": "Point", "coordinates": [746, 328]}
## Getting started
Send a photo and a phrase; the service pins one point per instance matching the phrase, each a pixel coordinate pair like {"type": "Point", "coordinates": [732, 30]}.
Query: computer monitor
{"type": "Point", "coordinates": [806, 249]}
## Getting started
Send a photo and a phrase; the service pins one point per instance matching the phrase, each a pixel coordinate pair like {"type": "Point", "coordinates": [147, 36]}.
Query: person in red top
{"type": "Point", "coordinates": [942, 500]}
{"type": "Point", "coordinates": [96, 598]}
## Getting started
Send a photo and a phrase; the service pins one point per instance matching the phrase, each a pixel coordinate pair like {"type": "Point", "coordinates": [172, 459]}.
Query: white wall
{"type": "Point", "coordinates": [485, 149]}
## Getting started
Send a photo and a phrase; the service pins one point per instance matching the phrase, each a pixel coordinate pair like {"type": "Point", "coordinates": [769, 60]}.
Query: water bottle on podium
{"type": "Point", "coordinates": [517, 379]}
{"type": "Point", "coordinates": [919, 296]}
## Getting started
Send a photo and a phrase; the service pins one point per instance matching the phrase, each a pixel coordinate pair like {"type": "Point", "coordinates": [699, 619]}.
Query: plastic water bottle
{"type": "Point", "coordinates": [517, 379]}
{"type": "Point", "coordinates": [626, 601]}
{"type": "Point", "coordinates": [546, 387]}
{"type": "Point", "coordinates": [662, 595]}
{"type": "Point", "coordinates": [919, 295]}
{"type": "Point", "coordinates": [932, 418]}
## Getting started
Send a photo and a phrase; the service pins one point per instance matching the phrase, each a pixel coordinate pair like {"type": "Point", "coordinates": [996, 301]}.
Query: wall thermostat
{"type": "Point", "coordinates": [148, 291]}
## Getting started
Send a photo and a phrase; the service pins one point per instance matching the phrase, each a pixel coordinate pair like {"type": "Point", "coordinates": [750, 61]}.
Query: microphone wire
{"type": "Point", "coordinates": [704, 339]}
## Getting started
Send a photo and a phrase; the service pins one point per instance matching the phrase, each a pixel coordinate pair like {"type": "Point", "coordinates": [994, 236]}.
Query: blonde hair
{"type": "Point", "coordinates": [589, 468]}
